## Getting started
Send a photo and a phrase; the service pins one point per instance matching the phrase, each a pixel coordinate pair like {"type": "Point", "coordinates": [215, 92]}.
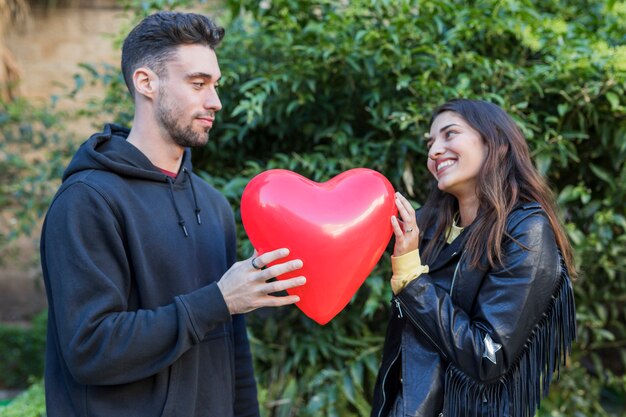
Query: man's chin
{"type": "Point", "coordinates": [203, 139]}
{"type": "Point", "coordinates": [195, 141]}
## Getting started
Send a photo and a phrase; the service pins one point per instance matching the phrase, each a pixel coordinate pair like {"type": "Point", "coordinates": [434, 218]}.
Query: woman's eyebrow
{"type": "Point", "coordinates": [428, 138]}
{"type": "Point", "coordinates": [448, 126]}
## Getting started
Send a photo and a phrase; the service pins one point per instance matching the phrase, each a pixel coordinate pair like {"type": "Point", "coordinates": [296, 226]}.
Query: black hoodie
{"type": "Point", "coordinates": [137, 324]}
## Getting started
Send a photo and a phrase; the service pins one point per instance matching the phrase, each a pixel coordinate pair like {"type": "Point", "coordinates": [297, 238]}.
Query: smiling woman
{"type": "Point", "coordinates": [456, 154]}
{"type": "Point", "coordinates": [494, 287]}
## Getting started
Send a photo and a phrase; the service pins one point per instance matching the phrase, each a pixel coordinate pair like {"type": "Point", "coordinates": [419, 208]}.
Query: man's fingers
{"type": "Point", "coordinates": [269, 257]}
{"type": "Point", "coordinates": [263, 289]}
{"type": "Point", "coordinates": [271, 301]}
{"type": "Point", "coordinates": [284, 284]}
{"type": "Point", "coordinates": [276, 270]}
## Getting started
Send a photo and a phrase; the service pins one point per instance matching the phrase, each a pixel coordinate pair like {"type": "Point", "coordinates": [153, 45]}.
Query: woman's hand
{"type": "Point", "coordinates": [405, 229]}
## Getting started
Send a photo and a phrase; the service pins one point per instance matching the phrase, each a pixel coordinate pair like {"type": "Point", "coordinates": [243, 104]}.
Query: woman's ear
{"type": "Point", "coordinates": [146, 82]}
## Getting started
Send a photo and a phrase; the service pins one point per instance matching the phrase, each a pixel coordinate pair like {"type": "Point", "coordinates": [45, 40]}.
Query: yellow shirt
{"type": "Point", "coordinates": [409, 266]}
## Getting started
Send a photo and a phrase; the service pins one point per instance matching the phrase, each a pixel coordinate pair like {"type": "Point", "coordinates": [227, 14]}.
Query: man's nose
{"type": "Point", "coordinates": [212, 101]}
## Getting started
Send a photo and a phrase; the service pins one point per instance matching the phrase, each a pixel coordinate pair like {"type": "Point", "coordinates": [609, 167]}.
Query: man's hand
{"type": "Point", "coordinates": [245, 288]}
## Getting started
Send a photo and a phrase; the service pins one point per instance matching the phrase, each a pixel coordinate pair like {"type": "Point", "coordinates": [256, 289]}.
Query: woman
{"type": "Point", "coordinates": [483, 311]}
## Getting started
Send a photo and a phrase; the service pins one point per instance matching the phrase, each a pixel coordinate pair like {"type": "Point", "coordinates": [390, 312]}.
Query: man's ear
{"type": "Point", "coordinates": [146, 82]}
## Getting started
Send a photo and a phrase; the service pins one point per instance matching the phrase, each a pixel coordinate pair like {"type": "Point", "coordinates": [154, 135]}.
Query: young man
{"type": "Point", "coordinates": [138, 253]}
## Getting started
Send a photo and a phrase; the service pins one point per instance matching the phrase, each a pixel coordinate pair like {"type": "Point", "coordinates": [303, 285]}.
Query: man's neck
{"type": "Point", "coordinates": [163, 153]}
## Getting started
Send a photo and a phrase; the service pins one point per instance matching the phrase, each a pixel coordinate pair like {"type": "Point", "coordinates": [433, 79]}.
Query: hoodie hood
{"type": "Point", "coordinates": [109, 151]}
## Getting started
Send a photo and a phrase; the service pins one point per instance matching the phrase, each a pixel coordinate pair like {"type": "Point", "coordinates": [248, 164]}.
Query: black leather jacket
{"type": "Point", "coordinates": [468, 341]}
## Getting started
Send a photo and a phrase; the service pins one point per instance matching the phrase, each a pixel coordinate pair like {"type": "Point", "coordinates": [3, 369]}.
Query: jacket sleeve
{"type": "Point", "coordinates": [87, 273]}
{"type": "Point", "coordinates": [486, 342]}
{"type": "Point", "coordinates": [405, 269]}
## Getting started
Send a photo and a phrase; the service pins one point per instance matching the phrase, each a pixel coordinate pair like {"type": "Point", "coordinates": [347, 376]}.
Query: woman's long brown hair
{"type": "Point", "coordinates": [507, 179]}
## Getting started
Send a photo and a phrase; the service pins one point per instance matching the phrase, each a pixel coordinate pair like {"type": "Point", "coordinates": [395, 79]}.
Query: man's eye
{"type": "Point", "coordinates": [198, 84]}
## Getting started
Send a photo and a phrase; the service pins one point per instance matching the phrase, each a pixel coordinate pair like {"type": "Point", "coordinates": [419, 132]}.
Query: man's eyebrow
{"type": "Point", "coordinates": [204, 75]}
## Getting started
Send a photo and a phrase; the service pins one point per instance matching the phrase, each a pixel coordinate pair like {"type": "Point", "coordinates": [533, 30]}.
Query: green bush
{"type": "Point", "coordinates": [319, 87]}
{"type": "Point", "coordinates": [324, 86]}
{"type": "Point", "coordinates": [22, 352]}
{"type": "Point", "coordinates": [31, 403]}
{"type": "Point", "coordinates": [34, 149]}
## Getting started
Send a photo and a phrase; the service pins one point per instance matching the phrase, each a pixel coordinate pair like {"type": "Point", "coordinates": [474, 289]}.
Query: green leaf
{"type": "Point", "coordinates": [562, 109]}
{"type": "Point", "coordinates": [613, 99]}
{"type": "Point", "coordinates": [602, 174]}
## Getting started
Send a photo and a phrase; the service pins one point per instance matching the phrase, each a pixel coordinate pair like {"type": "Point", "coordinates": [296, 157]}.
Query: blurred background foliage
{"type": "Point", "coordinates": [319, 87]}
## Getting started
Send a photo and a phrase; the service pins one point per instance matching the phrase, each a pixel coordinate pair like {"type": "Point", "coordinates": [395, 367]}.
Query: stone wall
{"type": "Point", "coordinates": [50, 47]}
{"type": "Point", "coordinates": [48, 50]}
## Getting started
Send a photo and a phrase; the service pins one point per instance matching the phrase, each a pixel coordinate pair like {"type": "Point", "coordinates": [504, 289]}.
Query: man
{"type": "Point", "coordinates": [138, 253]}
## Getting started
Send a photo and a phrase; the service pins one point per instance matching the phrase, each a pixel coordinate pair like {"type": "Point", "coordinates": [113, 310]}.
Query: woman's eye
{"type": "Point", "coordinates": [451, 133]}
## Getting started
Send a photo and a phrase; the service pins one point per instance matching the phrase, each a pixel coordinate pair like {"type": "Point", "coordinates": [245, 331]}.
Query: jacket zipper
{"type": "Point", "coordinates": [400, 315]}
{"type": "Point", "coordinates": [382, 406]}
{"type": "Point", "coordinates": [415, 322]}
{"type": "Point", "coordinates": [456, 269]}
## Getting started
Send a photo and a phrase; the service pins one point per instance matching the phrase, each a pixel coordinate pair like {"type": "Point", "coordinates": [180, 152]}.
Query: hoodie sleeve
{"type": "Point", "coordinates": [246, 403]}
{"type": "Point", "coordinates": [87, 273]}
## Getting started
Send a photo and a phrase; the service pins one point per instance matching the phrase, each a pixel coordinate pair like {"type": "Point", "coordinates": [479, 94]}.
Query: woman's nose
{"type": "Point", "coordinates": [436, 149]}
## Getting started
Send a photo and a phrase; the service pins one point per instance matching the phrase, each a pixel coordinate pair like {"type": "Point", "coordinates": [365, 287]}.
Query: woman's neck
{"type": "Point", "coordinates": [468, 210]}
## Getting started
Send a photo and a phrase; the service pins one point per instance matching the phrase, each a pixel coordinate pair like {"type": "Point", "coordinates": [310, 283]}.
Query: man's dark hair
{"type": "Point", "coordinates": [154, 40]}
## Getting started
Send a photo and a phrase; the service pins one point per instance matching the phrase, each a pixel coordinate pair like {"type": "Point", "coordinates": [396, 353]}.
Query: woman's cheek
{"type": "Point", "coordinates": [431, 168]}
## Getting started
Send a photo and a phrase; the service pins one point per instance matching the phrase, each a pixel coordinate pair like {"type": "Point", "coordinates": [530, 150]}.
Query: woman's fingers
{"type": "Point", "coordinates": [406, 211]}
{"type": "Point", "coordinates": [395, 224]}
{"type": "Point", "coordinates": [406, 203]}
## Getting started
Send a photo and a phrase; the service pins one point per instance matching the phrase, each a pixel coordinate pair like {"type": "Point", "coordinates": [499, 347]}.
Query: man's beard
{"type": "Point", "coordinates": [184, 136]}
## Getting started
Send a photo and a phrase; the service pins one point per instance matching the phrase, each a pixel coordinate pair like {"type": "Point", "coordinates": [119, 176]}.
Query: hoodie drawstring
{"type": "Point", "coordinates": [193, 191]}
{"type": "Point", "coordinates": [181, 221]}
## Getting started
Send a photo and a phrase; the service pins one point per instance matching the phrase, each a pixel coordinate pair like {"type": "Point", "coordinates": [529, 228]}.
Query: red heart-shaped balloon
{"type": "Point", "coordinates": [339, 229]}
